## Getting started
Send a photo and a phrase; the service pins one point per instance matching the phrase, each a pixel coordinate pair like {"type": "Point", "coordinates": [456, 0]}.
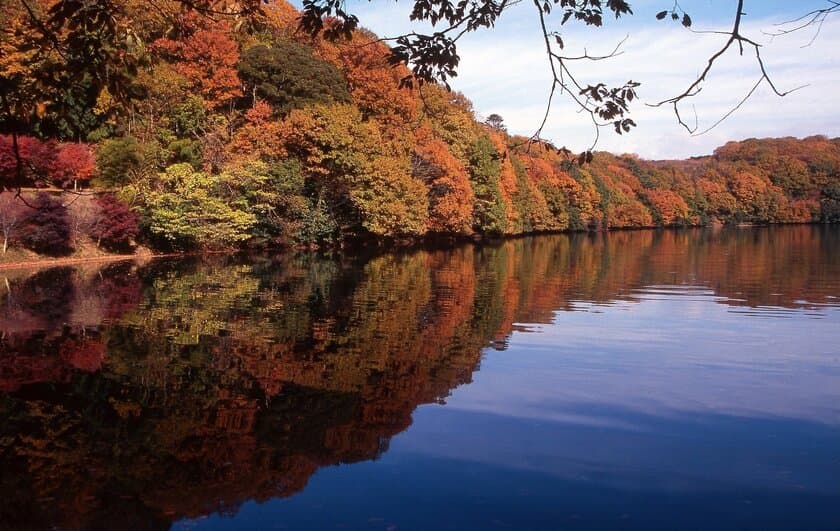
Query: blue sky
{"type": "Point", "coordinates": [504, 71]}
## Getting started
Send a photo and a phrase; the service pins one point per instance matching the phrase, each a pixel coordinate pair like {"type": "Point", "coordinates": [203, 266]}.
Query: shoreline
{"type": "Point", "coordinates": [55, 262]}
{"type": "Point", "coordinates": [365, 244]}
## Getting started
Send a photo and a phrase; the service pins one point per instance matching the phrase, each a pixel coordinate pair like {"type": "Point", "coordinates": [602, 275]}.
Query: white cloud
{"type": "Point", "coordinates": [505, 71]}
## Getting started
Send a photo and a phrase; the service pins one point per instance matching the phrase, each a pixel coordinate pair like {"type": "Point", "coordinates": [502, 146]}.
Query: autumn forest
{"type": "Point", "coordinates": [214, 130]}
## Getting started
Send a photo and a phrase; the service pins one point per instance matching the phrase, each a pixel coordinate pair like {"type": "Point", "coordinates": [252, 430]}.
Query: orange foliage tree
{"type": "Point", "coordinates": [668, 207]}
{"type": "Point", "coordinates": [374, 83]}
{"type": "Point", "coordinates": [450, 195]}
{"type": "Point", "coordinates": [206, 56]}
{"type": "Point", "coordinates": [74, 163]}
{"type": "Point", "coordinates": [260, 136]}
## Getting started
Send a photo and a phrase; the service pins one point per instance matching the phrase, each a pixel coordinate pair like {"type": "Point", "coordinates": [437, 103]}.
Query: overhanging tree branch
{"type": "Point", "coordinates": [735, 38]}
{"type": "Point", "coordinates": [817, 18]}
{"type": "Point", "coordinates": [605, 106]}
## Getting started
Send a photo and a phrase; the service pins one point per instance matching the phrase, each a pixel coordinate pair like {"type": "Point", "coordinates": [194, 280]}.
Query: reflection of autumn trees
{"type": "Point", "coordinates": [235, 382]}
{"type": "Point", "coordinates": [49, 323]}
{"type": "Point", "coordinates": [182, 388]}
{"type": "Point", "coordinates": [240, 131]}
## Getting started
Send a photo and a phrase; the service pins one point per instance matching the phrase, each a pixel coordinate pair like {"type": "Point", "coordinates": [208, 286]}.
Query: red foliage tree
{"type": "Point", "coordinates": [629, 215]}
{"type": "Point", "coordinates": [668, 207]}
{"type": "Point", "coordinates": [118, 224]}
{"type": "Point", "coordinates": [450, 196]}
{"type": "Point", "coordinates": [374, 82]}
{"type": "Point", "coordinates": [33, 162]}
{"type": "Point", "coordinates": [73, 163]}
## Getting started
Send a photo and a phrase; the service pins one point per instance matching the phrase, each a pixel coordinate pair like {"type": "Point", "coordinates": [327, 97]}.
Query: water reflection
{"type": "Point", "coordinates": [138, 395]}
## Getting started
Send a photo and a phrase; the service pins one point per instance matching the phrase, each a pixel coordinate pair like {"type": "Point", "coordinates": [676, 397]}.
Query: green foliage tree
{"type": "Point", "coordinates": [791, 175]}
{"type": "Point", "coordinates": [188, 118]}
{"type": "Point", "coordinates": [189, 208]}
{"type": "Point", "coordinates": [533, 212]}
{"type": "Point", "coordinates": [275, 193]}
{"type": "Point", "coordinates": [830, 205]}
{"type": "Point", "coordinates": [122, 160]}
{"type": "Point", "coordinates": [185, 150]}
{"type": "Point", "coordinates": [289, 76]}
{"type": "Point", "coordinates": [391, 202]}
{"type": "Point", "coordinates": [485, 169]}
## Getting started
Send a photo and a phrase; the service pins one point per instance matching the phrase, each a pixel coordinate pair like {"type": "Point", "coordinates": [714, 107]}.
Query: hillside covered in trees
{"type": "Point", "coordinates": [224, 130]}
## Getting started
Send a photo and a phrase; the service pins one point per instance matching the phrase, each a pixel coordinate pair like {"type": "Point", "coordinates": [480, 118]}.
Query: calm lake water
{"type": "Point", "coordinates": [634, 380]}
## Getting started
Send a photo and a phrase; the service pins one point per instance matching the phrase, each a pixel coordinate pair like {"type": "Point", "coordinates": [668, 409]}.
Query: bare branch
{"type": "Point", "coordinates": [816, 18]}
{"type": "Point", "coordinates": [735, 38]}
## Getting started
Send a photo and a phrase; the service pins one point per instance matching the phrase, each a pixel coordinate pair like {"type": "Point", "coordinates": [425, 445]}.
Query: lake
{"type": "Point", "coordinates": [680, 379]}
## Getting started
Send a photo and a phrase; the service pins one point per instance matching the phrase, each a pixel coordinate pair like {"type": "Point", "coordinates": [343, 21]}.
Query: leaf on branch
{"type": "Point", "coordinates": [661, 15]}
{"type": "Point", "coordinates": [619, 7]}
{"type": "Point", "coordinates": [624, 126]}
{"type": "Point", "coordinates": [585, 158]}
{"type": "Point", "coordinates": [686, 20]}
{"type": "Point", "coordinates": [432, 57]}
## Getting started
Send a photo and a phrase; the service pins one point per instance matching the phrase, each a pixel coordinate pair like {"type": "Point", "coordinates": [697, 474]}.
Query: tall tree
{"type": "Point", "coordinates": [288, 76]}
{"type": "Point", "coordinates": [206, 56]}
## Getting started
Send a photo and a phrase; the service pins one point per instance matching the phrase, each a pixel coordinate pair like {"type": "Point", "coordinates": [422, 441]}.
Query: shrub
{"type": "Point", "coordinates": [117, 226]}
{"type": "Point", "coordinates": [47, 227]}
